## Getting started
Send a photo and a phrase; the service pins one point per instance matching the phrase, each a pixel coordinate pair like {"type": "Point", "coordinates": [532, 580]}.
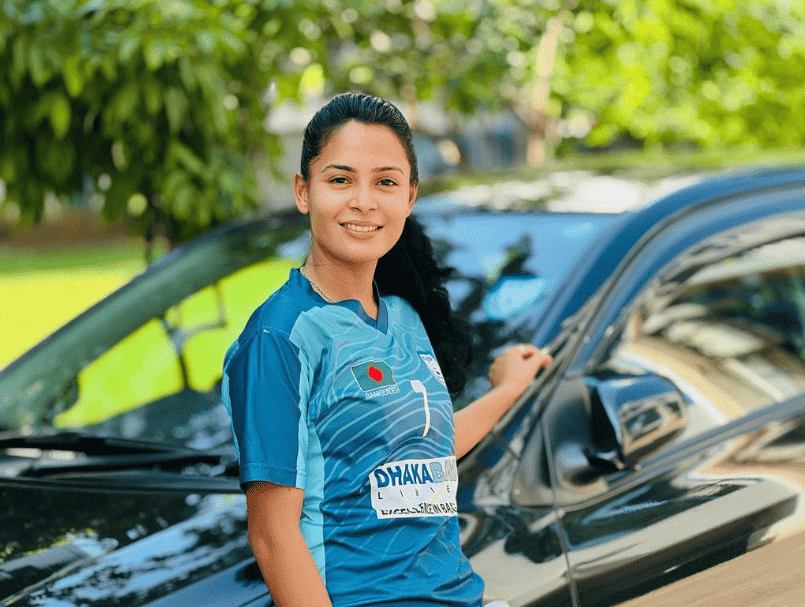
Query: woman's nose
{"type": "Point", "coordinates": [363, 198]}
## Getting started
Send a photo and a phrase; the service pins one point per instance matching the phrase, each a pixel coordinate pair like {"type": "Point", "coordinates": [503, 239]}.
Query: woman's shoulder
{"type": "Point", "coordinates": [400, 310]}
{"type": "Point", "coordinates": [291, 314]}
{"type": "Point", "coordinates": [279, 313]}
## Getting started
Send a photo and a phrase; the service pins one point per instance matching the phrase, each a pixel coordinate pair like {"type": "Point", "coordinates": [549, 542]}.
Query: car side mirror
{"type": "Point", "coordinates": [607, 422]}
{"type": "Point", "coordinates": [632, 417]}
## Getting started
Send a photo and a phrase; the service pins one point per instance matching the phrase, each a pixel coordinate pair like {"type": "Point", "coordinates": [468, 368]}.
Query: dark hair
{"type": "Point", "coordinates": [409, 270]}
{"type": "Point", "coordinates": [361, 108]}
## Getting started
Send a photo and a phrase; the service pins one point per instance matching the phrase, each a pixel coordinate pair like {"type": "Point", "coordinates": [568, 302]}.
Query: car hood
{"type": "Point", "coordinates": [64, 546]}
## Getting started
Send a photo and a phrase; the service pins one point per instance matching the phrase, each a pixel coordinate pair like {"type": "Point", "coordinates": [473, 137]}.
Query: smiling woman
{"type": "Point", "coordinates": [342, 416]}
{"type": "Point", "coordinates": [358, 193]}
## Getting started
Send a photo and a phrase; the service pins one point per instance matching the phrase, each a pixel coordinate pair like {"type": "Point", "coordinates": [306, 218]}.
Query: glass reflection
{"type": "Point", "coordinates": [731, 335]}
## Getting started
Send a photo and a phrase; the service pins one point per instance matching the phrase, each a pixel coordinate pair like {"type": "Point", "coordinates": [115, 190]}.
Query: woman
{"type": "Point", "coordinates": [344, 426]}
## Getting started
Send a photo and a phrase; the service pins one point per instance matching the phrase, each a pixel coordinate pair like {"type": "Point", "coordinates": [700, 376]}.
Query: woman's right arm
{"type": "Point", "coordinates": [285, 561]}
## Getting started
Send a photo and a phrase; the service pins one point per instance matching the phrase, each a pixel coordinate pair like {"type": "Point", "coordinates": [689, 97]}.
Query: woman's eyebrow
{"type": "Point", "coordinates": [338, 167]}
{"type": "Point", "coordinates": [343, 167]}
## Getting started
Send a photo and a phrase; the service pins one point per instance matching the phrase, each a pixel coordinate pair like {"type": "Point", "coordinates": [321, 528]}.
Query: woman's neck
{"type": "Point", "coordinates": [341, 281]}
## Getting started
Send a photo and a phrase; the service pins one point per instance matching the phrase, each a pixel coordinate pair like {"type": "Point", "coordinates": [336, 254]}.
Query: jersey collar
{"type": "Point", "coordinates": [381, 324]}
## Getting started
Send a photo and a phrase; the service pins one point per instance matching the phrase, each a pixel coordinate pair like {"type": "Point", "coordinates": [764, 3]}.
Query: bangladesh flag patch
{"type": "Point", "coordinates": [372, 375]}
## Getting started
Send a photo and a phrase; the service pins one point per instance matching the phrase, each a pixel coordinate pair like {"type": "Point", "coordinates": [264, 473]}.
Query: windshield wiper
{"type": "Point", "coordinates": [105, 463]}
{"type": "Point", "coordinates": [72, 452]}
{"type": "Point", "coordinates": [90, 444]}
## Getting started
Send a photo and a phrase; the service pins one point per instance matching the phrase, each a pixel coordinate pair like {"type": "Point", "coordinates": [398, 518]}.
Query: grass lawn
{"type": "Point", "coordinates": [42, 290]}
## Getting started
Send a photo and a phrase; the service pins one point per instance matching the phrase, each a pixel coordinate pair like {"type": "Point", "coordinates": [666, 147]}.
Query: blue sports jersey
{"type": "Point", "coordinates": [355, 412]}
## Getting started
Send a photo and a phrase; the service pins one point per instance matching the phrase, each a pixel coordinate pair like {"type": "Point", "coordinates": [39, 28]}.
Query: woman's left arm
{"type": "Point", "coordinates": [510, 374]}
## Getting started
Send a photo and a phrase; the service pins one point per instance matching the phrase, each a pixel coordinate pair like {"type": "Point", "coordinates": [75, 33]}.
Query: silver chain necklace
{"type": "Point", "coordinates": [316, 287]}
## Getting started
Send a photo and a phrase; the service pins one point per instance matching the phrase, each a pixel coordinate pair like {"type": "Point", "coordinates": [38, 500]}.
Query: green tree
{"type": "Point", "coordinates": [158, 104]}
{"type": "Point", "coordinates": [155, 104]}
{"type": "Point", "coordinates": [467, 57]}
{"type": "Point", "coordinates": [703, 72]}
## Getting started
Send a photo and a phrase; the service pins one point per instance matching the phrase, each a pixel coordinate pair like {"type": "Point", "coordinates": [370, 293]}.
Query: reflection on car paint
{"type": "Point", "coordinates": [213, 537]}
{"type": "Point", "coordinates": [511, 295]}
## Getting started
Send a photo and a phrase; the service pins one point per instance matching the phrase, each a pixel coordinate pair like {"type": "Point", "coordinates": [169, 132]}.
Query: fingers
{"type": "Point", "coordinates": [527, 351]}
{"type": "Point", "coordinates": [518, 364]}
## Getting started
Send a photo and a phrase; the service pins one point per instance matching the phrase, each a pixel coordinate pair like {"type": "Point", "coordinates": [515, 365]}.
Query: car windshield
{"type": "Point", "coordinates": [145, 362]}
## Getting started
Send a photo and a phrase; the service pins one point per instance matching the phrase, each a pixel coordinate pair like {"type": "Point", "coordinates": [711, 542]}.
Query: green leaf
{"type": "Point", "coordinates": [56, 159]}
{"type": "Point", "coordinates": [128, 46]}
{"type": "Point", "coordinates": [40, 111]}
{"type": "Point", "coordinates": [118, 196]}
{"type": "Point", "coordinates": [60, 116]}
{"type": "Point", "coordinates": [5, 34]}
{"type": "Point", "coordinates": [109, 68]}
{"type": "Point", "coordinates": [176, 107]}
{"type": "Point", "coordinates": [8, 168]}
{"type": "Point", "coordinates": [152, 95]}
{"type": "Point", "coordinates": [182, 204]}
{"type": "Point", "coordinates": [232, 42]}
{"type": "Point", "coordinates": [73, 80]}
{"type": "Point", "coordinates": [186, 157]}
{"type": "Point", "coordinates": [206, 40]}
{"type": "Point", "coordinates": [125, 101]}
{"type": "Point", "coordinates": [186, 73]}
{"type": "Point", "coordinates": [172, 184]}
{"type": "Point", "coordinates": [19, 62]}
{"type": "Point", "coordinates": [155, 52]}
{"type": "Point", "coordinates": [36, 63]}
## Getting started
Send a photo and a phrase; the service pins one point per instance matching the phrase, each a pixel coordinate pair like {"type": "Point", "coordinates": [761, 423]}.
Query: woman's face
{"type": "Point", "coordinates": [358, 194]}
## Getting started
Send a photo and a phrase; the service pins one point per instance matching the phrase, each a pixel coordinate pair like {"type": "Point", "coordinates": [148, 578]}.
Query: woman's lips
{"type": "Point", "coordinates": [359, 228]}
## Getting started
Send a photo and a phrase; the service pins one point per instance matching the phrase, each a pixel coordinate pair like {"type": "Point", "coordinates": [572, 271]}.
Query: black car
{"type": "Point", "coordinates": [661, 459]}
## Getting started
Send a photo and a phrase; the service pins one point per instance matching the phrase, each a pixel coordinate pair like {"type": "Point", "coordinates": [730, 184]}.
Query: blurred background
{"type": "Point", "coordinates": [129, 126]}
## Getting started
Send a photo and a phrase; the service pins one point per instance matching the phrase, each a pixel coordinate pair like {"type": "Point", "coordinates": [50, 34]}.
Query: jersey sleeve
{"type": "Point", "coordinates": [261, 391]}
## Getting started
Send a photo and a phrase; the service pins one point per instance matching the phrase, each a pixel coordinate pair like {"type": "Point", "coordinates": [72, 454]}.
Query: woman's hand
{"type": "Point", "coordinates": [510, 374]}
{"type": "Point", "coordinates": [516, 366]}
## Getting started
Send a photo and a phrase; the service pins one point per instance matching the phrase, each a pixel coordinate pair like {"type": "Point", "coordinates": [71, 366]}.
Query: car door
{"type": "Point", "coordinates": [675, 436]}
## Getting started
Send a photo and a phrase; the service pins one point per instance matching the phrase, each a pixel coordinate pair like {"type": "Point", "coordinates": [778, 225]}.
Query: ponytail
{"type": "Point", "coordinates": [409, 270]}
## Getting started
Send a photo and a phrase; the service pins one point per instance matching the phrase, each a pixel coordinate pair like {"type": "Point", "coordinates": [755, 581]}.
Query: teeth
{"type": "Point", "coordinates": [352, 226]}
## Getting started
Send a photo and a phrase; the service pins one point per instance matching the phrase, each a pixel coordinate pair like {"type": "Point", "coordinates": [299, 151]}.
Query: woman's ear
{"type": "Point", "coordinates": [300, 192]}
{"type": "Point", "coordinates": [412, 192]}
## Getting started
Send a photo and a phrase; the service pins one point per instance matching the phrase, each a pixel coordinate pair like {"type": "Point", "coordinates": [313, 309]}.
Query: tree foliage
{"type": "Point", "coordinates": [157, 105]}
{"type": "Point", "coordinates": [706, 72]}
{"type": "Point", "coordinates": [157, 102]}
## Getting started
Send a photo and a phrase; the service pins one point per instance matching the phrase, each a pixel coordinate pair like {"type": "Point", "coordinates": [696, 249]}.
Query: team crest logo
{"type": "Point", "coordinates": [372, 375]}
{"type": "Point", "coordinates": [433, 365]}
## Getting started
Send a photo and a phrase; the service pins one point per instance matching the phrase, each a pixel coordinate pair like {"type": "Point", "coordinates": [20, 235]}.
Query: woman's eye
{"type": "Point", "coordinates": [338, 180]}
{"type": "Point", "coordinates": [387, 182]}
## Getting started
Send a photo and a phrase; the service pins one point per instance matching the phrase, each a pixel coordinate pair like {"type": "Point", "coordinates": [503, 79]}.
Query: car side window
{"type": "Point", "coordinates": [730, 336]}
{"type": "Point", "coordinates": [140, 369]}
{"type": "Point", "coordinates": [206, 323]}
{"type": "Point", "coordinates": [717, 335]}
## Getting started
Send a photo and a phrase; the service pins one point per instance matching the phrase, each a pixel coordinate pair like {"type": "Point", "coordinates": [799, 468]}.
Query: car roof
{"type": "Point", "coordinates": [609, 249]}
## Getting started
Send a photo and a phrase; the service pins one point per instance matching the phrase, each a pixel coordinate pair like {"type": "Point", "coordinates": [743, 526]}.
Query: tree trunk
{"type": "Point", "coordinates": [536, 116]}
